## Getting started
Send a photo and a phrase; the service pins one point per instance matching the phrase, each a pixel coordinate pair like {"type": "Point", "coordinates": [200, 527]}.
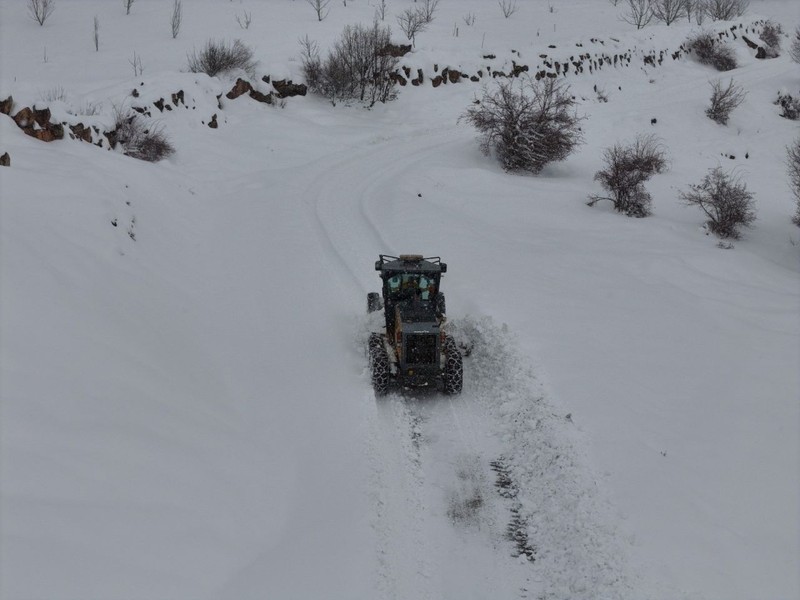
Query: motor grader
{"type": "Point", "coordinates": [413, 350]}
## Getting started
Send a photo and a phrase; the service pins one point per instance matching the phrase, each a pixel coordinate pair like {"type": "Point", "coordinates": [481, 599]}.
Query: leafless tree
{"type": "Point", "coordinates": [39, 10]}
{"type": "Point", "coordinates": [696, 9]}
{"type": "Point", "coordinates": [177, 17]}
{"type": "Point", "coordinates": [725, 200]}
{"type": "Point", "coordinates": [527, 123]}
{"type": "Point", "coordinates": [469, 19]}
{"type": "Point", "coordinates": [136, 63]}
{"type": "Point", "coordinates": [640, 13]}
{"type": "Point", "coordinates": [793, 163]}
{"type": "Point", "coordinates": [411, 23]}
{"type": "Point", "coordinates": [725, 10]}
{"type": "Point", "coordinates": [96, 33]}
{"type": "Point", "coordinates": [127, 4]}
{"type": "Point", "coordinates": [380, 10]}
{"type": "Point", "coordinates": [509, 7]}
{"type": "Point", "coordinates": [320, 7]}
{"type": "Point", "coordinates": [724, 100]}
{"type": "Point", "coordinates": [245, 20]}
{"type": "Point", "coordinates": [357, 68]}
{"type": "Point", "coordinates": [668, 11]}
{"type": "Point", "coordinates": [428, 10]}
{"type": "Point", "coordinates": [626, 170]}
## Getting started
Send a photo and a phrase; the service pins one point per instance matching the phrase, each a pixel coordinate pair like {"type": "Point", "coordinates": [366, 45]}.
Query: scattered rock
{"type": "Point", "coordinates": [213, 122]}
{"type": "Point", "coordinates": [240, 87]}
{"type": "Point", "coordinates": [6, 106]}
{"type": "Point", "coordinates": [177, 98]}
{"type": "Point", "coordinates": [82, 133]}
{"type": "Point", "coordinates": [159, 104]}
{"type": "Point", "coordinates": [286, 88]}
{"type": "Point", "coordinates": [750, 42]}
{"type": "Point", "coordinates": [5, 160]}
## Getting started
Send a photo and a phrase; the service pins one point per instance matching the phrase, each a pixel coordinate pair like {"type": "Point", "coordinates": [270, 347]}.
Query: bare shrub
{"type": "Point", "coordinates": [508, 7]}
{"type": "Point", "coordinates": [725, 201]}
{"type": "Point", "coordinates": [724, 100]}
{"type": "Point", "coordinates": [725, 10]}
{"type": "Point", "coordinates": [790, 106]}
{"type": "Point", "coordinates": [527, 123]}
{"type": "Point", "coordinates": [710, 51]}
{"type": "Point", "coordinates": [140, 140]}
{"type": "Point", "coordinates": [39, 10]}
{"type": "Point", "coordinates": [411, 22]}
{"type": "Point", "coordinates": [668, 11]}
{"type": "Point", "coordinates": [320, 8]}
{"type": "Point", "coordinates": [56, 93]}
{"type": "Point", "coordinates": [640, 13]}
{"type": "Point", "coordinates": [177, 18]}
{"type": "Point", "coordinates": [626, 170]}
{"type": "Point", "coordinates": [793, 164]}
{"type": "Point", "coordinates": [356, 68]}
{"type": "Point", "coordinates": [771, 34]}
{"type": "Point", "coordinates": [217, 57]}
{"type": "Point", "coordinates": [128, 4]}
{"type": "Point", "coordinates": [96, 36]}
{"type": "Point", "coordinates": [794, 50]}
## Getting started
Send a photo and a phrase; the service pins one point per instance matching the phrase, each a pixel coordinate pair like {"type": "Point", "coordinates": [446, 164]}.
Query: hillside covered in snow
{"type": "Point", "coordinates": [185, 400]}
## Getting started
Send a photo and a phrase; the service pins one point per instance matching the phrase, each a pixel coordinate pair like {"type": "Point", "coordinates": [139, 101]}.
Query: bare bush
{"type": "Point", "coordinates": [725, 201]}
{"type": "Point", "coordinates": [528, 123]}
{"type": "Point", "coordinates": [54, 94]}
{"type": "Point", "coordinates": [508, 7]}
{"type": "Point", "coordinates": [725, 10]}
{"type": "Point", "coordinates": [790, 106]}
{"type": "Point", "coordinates": [668, 11]}
{"type": "Point", "coordinates": [793, 164]}
{"type": "Point", "coordinates": [710, 51]}
{"type": "Point", "coordinates": [357, 68]}
{"type": "Point", "coordinates": [217, 57]}
{"type": "Point", "coordinates": [140, 140]}
{"type": "Point", "coordinates": [96, 36]}
{"type": "Point", "coordinates": [771, 34]}
{"type": "Point", "coordinates": [626, 170]}
{"type": "Point", "coordinates": [724, 100]}
{"type": "Point", "coordinates": [177, 18]}
{"type": "Point", "coordinates": [794, 50]}
{"type": "Point", "coordinates": [640, 13]}
{"type": "Point", "coordinates": [39, 10]}
{"type": "Point", "coordinates": [128, 4]}
{"type": "Point", "coordinates": [320, 8]}
{"type": "Point", "coordinates": [411, 23]}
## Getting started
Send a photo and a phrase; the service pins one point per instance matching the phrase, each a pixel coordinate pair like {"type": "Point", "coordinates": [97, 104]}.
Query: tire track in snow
{"type": "Point", "coordinates": [341, 191]}
{"type": "Point", "coordinates": [404, 559]}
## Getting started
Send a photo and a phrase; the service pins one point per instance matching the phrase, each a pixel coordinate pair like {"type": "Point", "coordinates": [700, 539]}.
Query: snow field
{"type": "Point", "coordinates": [186, 414]}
